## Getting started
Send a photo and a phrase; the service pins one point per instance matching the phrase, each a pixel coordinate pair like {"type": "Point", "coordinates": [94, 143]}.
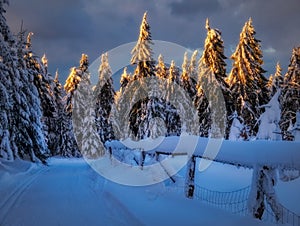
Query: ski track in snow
{"type": "Point", "coordinates": [65, 193]}
{"type": "Point", "coordinates": [9, 203]}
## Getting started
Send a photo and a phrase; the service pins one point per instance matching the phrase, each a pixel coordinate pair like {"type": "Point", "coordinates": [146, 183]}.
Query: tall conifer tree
{"type": "Point", "coordinates": [104, 94]}
{"type": "Point", "coordinates": [290, 99]}
{"type": "Point", "coordinates": [246, 80]}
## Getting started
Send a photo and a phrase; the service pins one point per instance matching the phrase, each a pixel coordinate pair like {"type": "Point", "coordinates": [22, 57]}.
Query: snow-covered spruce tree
{"type": "Point", "coordinates": [211, 87]}
{"type": "Point", "coordinates": [246, 80]}
{"type": "Point", "coordinates": [213, 54]}
{"type": "Point", "coordinates": [161, 70]}
{"type": "Point", "coordinates": [44, 83]}
{"type": "Point", "coordinates": [142, 52]}
{"type": "Point", "coordinates": [5, 107]}
{"type": "Point", "coordinates": [152, 110]}
{"type": "Point", "coordinates": [142, 105]}
{"type": "Point", "coordinates": [21, 134]}
{"type": "Point", "coordinates": [185, 80]}
{"type": "Point", "coordinates": [157, 126]}
{"type": "Point", "coordinates": [92, 146]}
{"type": "Point", "coordinates": [5, 87]}
{"type": "Point", "coordinates": [60, 118]}
{"type": "Point", "coordinates": [69, 144]}
{"type": "Point", "coordinates": [290, 98]}
{"type": "Point", "coordinates": [84, 120]}
{"type": "Point", "coordinates": [83, 114]}
{"type": "Point", "coordinates": [269, 120]}
{"type": "Point", "coordinates": [27, 115]}
{"type": "Point", "coordinates": [169, 95]}
{"type": "Point", "coordinates": [104, 98]}
{"type": "Point", "coordinates": [275, 81]}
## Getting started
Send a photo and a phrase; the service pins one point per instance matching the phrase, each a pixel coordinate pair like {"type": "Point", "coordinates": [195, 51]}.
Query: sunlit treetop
{"type": "Point", "coordinates": [161, 68]}
{"type": "Point", "coordinates": [84, 63]}
{"type": "Point", "coordinates": [247, 57]}
{"type": "Point", "coordinates": [72, 81]}
{"type": "Point", "coordinates": [213, 54]}
{"type": "Point", "coordinates": [173, 73]}
{"type": "Point", "coordinates": [185, 67]}
{"type": "Point", "coordinates": [28, 41]}
{"type": "Point", "coordinates": [278, 78]}
{"type": "Point", "coordinates": [142, 52]}
{"type": "Point", "coordinates": [45, 61]}
{"type": "Point", "coordinates": [293, 74]}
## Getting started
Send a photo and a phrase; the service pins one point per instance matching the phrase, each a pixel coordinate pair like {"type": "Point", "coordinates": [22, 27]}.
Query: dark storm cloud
{"type": "Point", "coordinates": [66, 28]}
{"type": "Point", "coordinates": [190, 8]}
{"type": "Point", "coordinates": [52, 19]}
{"type": "Point", "coordinates": [61, 29]}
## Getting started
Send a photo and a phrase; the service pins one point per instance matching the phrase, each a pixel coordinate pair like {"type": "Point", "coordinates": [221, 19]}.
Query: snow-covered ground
{"type": "Point", "coordinates": [69, 192]}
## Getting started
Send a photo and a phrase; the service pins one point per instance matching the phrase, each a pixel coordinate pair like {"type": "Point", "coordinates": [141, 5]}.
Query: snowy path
{"type": "Point", "coordinates": [68, 192]}
{"type": "Point", "coordinates": [61, 194]}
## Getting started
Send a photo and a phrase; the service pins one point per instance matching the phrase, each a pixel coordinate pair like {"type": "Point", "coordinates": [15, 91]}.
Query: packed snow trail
{"type": "Point", "coordinates": [69, 192]}
{"type": "Point", "coordinates": [61, 194]}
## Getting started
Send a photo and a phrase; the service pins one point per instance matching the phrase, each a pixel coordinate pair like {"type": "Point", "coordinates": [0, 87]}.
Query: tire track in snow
{"type": "Point", "coordinates": [17, 193]}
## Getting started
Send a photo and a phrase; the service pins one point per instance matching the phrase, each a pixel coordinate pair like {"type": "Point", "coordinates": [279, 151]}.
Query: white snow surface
{"type": "Point", "coordinates": [69, 192]}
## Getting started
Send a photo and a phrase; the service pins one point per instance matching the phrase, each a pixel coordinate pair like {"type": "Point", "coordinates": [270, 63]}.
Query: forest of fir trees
{"type": "Point", "coordinates": [37, 112]}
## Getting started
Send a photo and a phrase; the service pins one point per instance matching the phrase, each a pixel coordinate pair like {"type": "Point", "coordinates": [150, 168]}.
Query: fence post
{"type": "Point", "coordinates": [142, 159]}
{"type": "Point", "coordinates": [190, 178]}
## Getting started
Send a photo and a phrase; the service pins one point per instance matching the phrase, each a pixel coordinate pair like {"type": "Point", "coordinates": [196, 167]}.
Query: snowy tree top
{"type": "Point", "coordinates": [142, 52]}
{"type": "Point", "coordinates": [84, 62]}
{"type": "Point", "coordinates": [104, 69]}
{"type": "Point", "coordinates": [56, 76]}
{"type": "Point", "coordinates": [173, 72]}
{"type": "Point", "coordinates": [213, 54]}
{"type": "Point", "coordinates": [293, 74]}
{"type": "Point", "coordinates": [160, 59]}
{"type": "Point", "coordinates": [45, 61]}
{"type": "Point", "coordinates": [247, 69]}
{"type": "Point", "coordinates": [28, 41]}
{"type": "Point", "coordinates": [161, 69]}
{"type": "Point", "coordinates": [185, 66]}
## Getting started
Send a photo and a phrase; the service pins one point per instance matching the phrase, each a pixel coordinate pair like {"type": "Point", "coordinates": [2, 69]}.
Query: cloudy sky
{"type": "Point", "coordinates": [66, 28]}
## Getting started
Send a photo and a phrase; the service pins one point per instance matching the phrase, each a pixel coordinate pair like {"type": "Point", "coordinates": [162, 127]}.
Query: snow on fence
{"type": "Point", "coordinates": [272, 154]}
{"type": "Point", "coordinates": [283, 154]}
